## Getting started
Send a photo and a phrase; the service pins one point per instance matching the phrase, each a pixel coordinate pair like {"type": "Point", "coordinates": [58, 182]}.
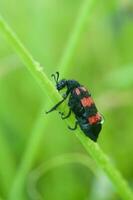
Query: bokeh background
{"type": "Point", "coordinates": [102, 61]}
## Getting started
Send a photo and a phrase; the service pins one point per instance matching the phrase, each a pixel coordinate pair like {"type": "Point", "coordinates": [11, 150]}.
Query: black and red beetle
{"type": "Point", "coordinates": [82, 105]}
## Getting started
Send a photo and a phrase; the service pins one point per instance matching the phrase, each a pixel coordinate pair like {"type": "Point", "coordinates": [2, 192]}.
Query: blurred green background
{"type": "Point", "coordinates": [103, 62]}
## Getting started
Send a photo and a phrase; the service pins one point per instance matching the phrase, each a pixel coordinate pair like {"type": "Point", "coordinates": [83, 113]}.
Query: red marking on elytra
{"type": "Point", "coordinates": [94, 119]}
{"type": "Point", "coordinates": [87, 101]}
{"type": "Point", "coordinates": [77, 91]}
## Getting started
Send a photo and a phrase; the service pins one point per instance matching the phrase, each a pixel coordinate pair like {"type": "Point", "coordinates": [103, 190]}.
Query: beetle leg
{"type": "Point", "coordinates": [54, 108]}
{"type": "Point", "coordinates": [60, 102]}
{"type": "Point", "coordinates": [68, 115]}
{"type": "Point", "coordinates": [75, 127]}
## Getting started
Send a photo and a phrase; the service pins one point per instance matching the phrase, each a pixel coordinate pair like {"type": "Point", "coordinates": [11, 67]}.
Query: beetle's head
{"type": "Point", "coordinates": [59, 84]}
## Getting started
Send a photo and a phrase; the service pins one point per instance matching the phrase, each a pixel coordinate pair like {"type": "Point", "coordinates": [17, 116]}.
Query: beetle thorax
{"type": "Point", "coordinates": [72, 84]}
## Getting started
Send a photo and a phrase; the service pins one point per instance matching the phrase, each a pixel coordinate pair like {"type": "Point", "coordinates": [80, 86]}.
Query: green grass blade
{"type": "Point", "coordinates": [57, 161]}
{"type": "Point", "coordinates": [28, 159]}
{"type": "Point", "coordinates": [37, 134]}
{"type": "Point", "coordinates": [6, 160]}
{"type": "Point", "coordinates": [91, 147]}
{"type": "Point", "coordinates": [32, 65]}
{"type": "Point", "coordinates": [84, 16]}
{"type": "Point", "coordinates": [109, 169]}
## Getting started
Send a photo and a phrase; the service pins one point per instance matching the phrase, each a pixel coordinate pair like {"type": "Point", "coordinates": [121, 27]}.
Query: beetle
{"type": "Point", "coordinates": [81, 104]}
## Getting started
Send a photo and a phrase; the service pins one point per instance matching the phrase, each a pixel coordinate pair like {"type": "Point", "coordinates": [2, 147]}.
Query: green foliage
{"type": "Point", "coordinates": [101, 53]}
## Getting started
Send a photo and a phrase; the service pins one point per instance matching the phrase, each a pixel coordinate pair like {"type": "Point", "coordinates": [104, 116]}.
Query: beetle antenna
{"type": "Point", "coordinates": [57, 76]}
{"type": "Point", "coordinates": [53, 75]}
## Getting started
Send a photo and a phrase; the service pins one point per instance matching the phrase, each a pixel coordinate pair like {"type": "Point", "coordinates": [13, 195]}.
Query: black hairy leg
{"type": "Point", "coordinates": [54, 108]}
{"type": "Point", "coordinates": [68, 115]}
{"type": "Point", "coordinates": [75, 127]}
{"type": "Point", "coordinates": [60, 102]}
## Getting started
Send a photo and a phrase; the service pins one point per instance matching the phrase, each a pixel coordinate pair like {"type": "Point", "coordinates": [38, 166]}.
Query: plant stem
{"type": "Point", "coordinates": [38, 131]}
{"type": "Point", "coordinates": [27, 159]}
{"type": "Point", "coordinates": [103, 162]}
{"type": "Point", "coordinates": [32, 65]}
{"type": "Point", "coordinates": [91, 147]}
{"type": "Point", "coordinates": [6, 160]}
{"type": "Point", "coordinates": [84, 16]}
{"type": "Point", "coordinates": [57, 161]}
